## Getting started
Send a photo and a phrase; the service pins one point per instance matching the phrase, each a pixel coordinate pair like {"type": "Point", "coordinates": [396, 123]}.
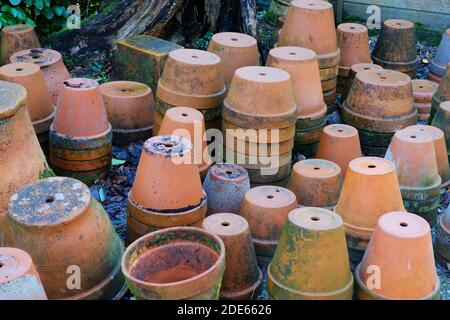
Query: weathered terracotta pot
{"type": "Point", "coordinates": [16, 38]}
{"type": "Point", "coordinates": [236, 141]}
{"type": "Point", "coordinates": [434, 78]}
{"type": "Point", "coordinates": [316, 183]}
{"type": "Point", "coordinates": [441, 121]}
{"type": "Point", "coordinates": [242, 278]}
{"type": "Point", "coordinates": [22, 158]}
{"type": "Point", "coordinates": [398, 263]}
{"type": "Point", "coordinates": [269, 136]}
{"type": "Point", "coordinates": [225, 186]}
{"type": "Point", "coordinates": [307, 140]}
{"type": "Point", "coordinates": [175, 264]}
{"type": "Point", "coordinates": [311, 261]}
{"type": "Point", "coordinates": [396, 47]}
{"type": "Point", "coordinates": [339, 143]}
{"type": "Point", "coordinates": [441, 59]}
{"type": "Point", "coordinates": [354, 69]}
{"type": "Point", "coordinates": [51, 64]}
{"type": "Point", "coordinates": [423, 91]}
{"type": "Point", "coordinates": [442, 249]}
{"type": "Point", "coordinates": [19, 279]}
{"type": "Point", "coordinates": [266, 209]}
{"type": "Point", "coordinates": [353, 40]}
{"type": "Point", "coordinates": [129, 106]}
{"type": "Point", "coordinates": [370, 189]}
{"type": "Point", "coordinates": [235, 50]}
{"type": "Point", "coordinates": [188, 123]}
{"type": "Point", "coordinates": [65, 227]}
{"type": "Point", "coordinates": [442, 94]}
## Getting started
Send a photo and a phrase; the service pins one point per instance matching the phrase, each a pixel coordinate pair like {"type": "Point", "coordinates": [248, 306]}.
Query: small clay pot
{"type": "Point", "coordinates": [441, 121]}
{"type": "Point", "coordinates": [442, 94]}
{"type": "Point", "coordinates": [354, 69]}
{"type": "Point", "coordinates": [398, 263]}
{"type": "Point", "coordinates": [340, 144]}
{"type": "Point", "coordinates": [311, 261]}
{"type": "Point", "coordinates": [266, 209]}
{"type": "Point", "coordinates": [316, 183]}
{"type": "Point", "coordinates": [65, 227]}
{"type": "Point", "coordinates": [442, 244]}
{"type": "Point", "coordinates": [269, 136]}
{"type": "Point", "coordinates": [19, 279]}
{"type": "Point", "coordinates": [175, 264]}
{"type": "Point", "coordinates": [129, 106]}
{"type": "Point", "coordinates": [51, 64]}
{"type": "Point", "coordinates": [441, 59]}
{"type": "Point", "coordinates": [434, 78]}
{"type": "Point", "coordinates": [307, 140]}
{"type": "Point", "coordinates": [423, 91]}
{"type": "Point", "coordinates": [16, 38]}
{"type": "Point", "coordinates": [353, 40]}
{"type": "Point", "coordinates": [235, 50]}
{"type": "Point", "coordinates": [242, 278]}
{"type": "Point", "coordinates": [225, 186]}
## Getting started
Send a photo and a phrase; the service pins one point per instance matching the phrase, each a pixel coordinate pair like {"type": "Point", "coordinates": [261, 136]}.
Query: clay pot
{"type": "Point", "coordinates": [396, 47]}
{"type": "Point", "coordinates": [51, 64]}
{"type": "Point", "coordinates": [235, 50]}
{"type": "Point", "coordinates": [242, 278]}
{"type": "Point", "coordinates": [225, 186]}
{"type": "Point", "coordinates": [434, 78]}
{"type": "Point", "coordinates": [129, 106]}
{"type": "Point", "coordinates": [354, 69]}
{"type": "Point", "coordinates": [441, 59]}
{"type": "Point", "coordinates": [266, 209]}
{"type": "Point", "coordinates": [269, 136]}
{"type": "Point", "coordinates": [188, 123]}
{"type": "Point", "coordinates": [175, 264]}
{"type": "Point", "coordinates": [339, 143]}
{"type": "Point", "coordinates": [370, 189]}
{"type": "Point", "coordinates": [19, 279]}
{"type": "Point", "coordinates": [443, 239]}
{"type": "Point", "coordinates": [353, 40]}
{"type": "Point", "coordinates": [311, 260]}
{"type": "Point", "coordinates": [65, 227]}
{"type": "Point", "coordinates": [16, 38]}
{"type": "Point", "coordinates": [22, 158]}
{"type": "Point", "coordinates": [442, 94]}
{"type": "Point", "coordinates": [400, 256]}
{"type": "Point", "coordinates": [423, 91]}
{"type": "Point", "coordinates": [441, 121]}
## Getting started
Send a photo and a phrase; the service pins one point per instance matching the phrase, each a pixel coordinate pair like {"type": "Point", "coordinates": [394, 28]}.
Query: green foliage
{"type": "Point", "coordinates": [203, 42]}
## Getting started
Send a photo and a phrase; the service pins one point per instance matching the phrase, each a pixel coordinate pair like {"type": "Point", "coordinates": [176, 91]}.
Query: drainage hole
{"type": "Point", "coordinates": [316, 168]}
{"type": "Point", "coordinates": [413, 137]}
{"type": "Point", "coordinates": [263, 74]}
{"type": "Point", "coordinates": [168, 144]}
{"type": "Point", "coordinates": [49, 199]}
{"type": "Point", "coordinates": [371, 166]}
{"type": "Point", "coordinates": [403, 224]}
{"type": "Point", "coordinates": [234, 39]}
{"type": "Point", "coordinates": [19, 69]}
{"type": "Point", "coordinates": [229, 172]}
{"type": "Point", "coordinates": [184, 114]}
{"type": "Point", "coordinates": [270, 196]}
{"type": "Point", "coordinates": [292, 53]}
{"type": "Point", "coordinates": [315, 218]}
{"type": "Point", "coordinates": [225, 224]}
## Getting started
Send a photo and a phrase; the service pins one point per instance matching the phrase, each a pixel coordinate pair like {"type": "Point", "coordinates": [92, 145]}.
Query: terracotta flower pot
{"type": "Point", "coordinates": [370, 189]}
{"type": "Point", "coordinates": [441, 59]}
{"type": "Point", "coordinates": [225, 186]}
{"type": "Point", "coordinates": [443, 239]}
{"type": "Point", "coordinates": [19, 279]}
{"type": "Point", "coordinates": [66, 230]}
{"type": "Point", "coordinates": [339, 143]}
{"type": "Point", "coordinates": [399, 262]}
{"type": "Point", "coordinates": [22, 158]}
{"type": "Point", "coordinates": [235, 50]}
{"type": "Point", "coordinates": [423, 91]}
{"type": "Point", "coordinates": [354, 69]}
{"type": "Point", "coordinates": [396, 47]}
{"type": "Point", "coordinates": [16, 38]}
{"type": "Point", "coordinates": [266, 209]}
{"type": "Point", "coordinates": [311, 260]}
{"type": "Point", "coordinates": [316, 183]}
{"type": "Point", "coordinates": [441, 121]}
{"type": "Point", "coordinates": [353, 40]}
{"type": "Point", "coordinates": [129, 106]}
{"type": "Point", "coordinates": [434, 78]}
{"type": "Point", "coordinates": [242, 278]}
{"type": "Point", "coordinates": [175, 264]}
{"type": "Point", "coordinates": [51, 64]}
{"type": "Point", "coordinates": [442, 94]}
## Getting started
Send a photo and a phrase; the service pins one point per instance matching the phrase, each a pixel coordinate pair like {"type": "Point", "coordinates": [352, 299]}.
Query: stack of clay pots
{"type": "Point", "coordinates": [441, 59]}
{"type": "Point", "coordinates": [191, 78]}
{"type": "Point", "coordinates": [167, 191]}
{"type": "Point", "coordinates": [353, 41]}
{"type": "Point", "coordinates": [442, 121]}
{"type": "Point", "coordinates": [51, 64]}
{"type": "Point", "coordinates": [442, 94]}
{"type": "Point", "coordinates": [81, 136]}
{"type": "Point", "coordinates": [16, 38]}
{"type": "Point", "coordinates": [379, 103]}
{"type": "Point", "coordinates": [259, 118]}
{"type": "Point", "coordinates": [182, 263]}
{"type": "Point", "coordinates": [396, 47]}
{"type": "Point", "coordinates": [443, 239]}
{"type": "Point", "coordinates": [310, 24]}
{"type": "Point", "coordinates": [67, 232]}
{"type": "Point", "coordinates": [302, 66]}
{"type": "Point", "coordinates": [423, 91]}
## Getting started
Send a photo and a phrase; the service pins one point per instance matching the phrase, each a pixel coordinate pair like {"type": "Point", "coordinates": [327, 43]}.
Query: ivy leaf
{"type": "Point", "coordinates": [13, 12]}
{"type": "Point", "coordinates": [101, 195]}
{"type": "Point", "coordinates": [15, 2]}
{"type": "Point", "coordinates": [5, 8]}
{"type": "Point", "coordinates": [29, 3]}
{"type": "Point", "coordinates": [48, 13]}
{"type": "Point", "coordinates": [39, 4]}
{"type": "Point", "coordinates": [30, 22]}
{"type": "Point", "coordinates": [59, 10]}
{"type": "Point", "coordinates": [117, 162]}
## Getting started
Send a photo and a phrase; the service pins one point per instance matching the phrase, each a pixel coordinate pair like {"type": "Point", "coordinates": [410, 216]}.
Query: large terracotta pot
{"type": "Point", "coordinates": [67, 233]}
{"type": "Point", "coordinates": [442, 94]}
{"type": "Point", "coordinates": [423, 91]}
{"type": "Point", "coordinates": [353, 41]}
{"type": "Point", "coordinates": [16, 38]}
{"type": "Point", "coordinates": [443, 239]}
{"type": "Point", "coordinates": [442, 57]}
{"type": "Point", "coordinates": [175, 264]}
{"type": "Point", "coordinates": [442, 121]}
{"type": "Point", "coordinates": [354, 69]}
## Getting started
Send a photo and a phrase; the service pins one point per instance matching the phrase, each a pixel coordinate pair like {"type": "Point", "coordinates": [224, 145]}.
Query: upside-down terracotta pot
{"type": "Point", "coordinates": [396, 47]}
{"type": "Point", "coordinates": [398, 263]}
{"type": "Point", "coordinates": [129, 106]}
{"type": "Point", "coordinates": [316, 183]}
{"type": "Point", "coordinates": [242, 278]}
{"type": "Point", "coordinates": [266, 209]}
{"type": "Point", "coordinates": [442, 244]}
{"type": "Point", "coordinates": [188, 123]}
{"type": "Point", "coordinates": [423, 91]}
{"type": "Point", "coordinates": [178, 263]}
{"type": "Point", "coordinates": [339, 143]}
{"type": "Point", "coordinates": [235, 50]}
{"type": "Point", "coordinates": [434, 78]}
{"type": "Point", "coordinates": [22, 158]}
{"type": "Point", "coordinates": [225, 186]}
{"type": "Point", "coordinates": [16, 38]}
{"type": "Point", "coordinates": [353, 41]}
{"type": "Point", "coordinates": [311, 261]}
{"type": "Point", "coordinates": [370, 189]}
{"type": "Point", "coordinates": [354, 69]}
{"type": "Point", "coordinates": [442, 94]}
{"type": "Point", "coordinates": [19, 279]}
{"type": "Point", "coordinates": [67, 232]}
{"type": "Point", "coordinates": [442, 121]}
{"type": "Point", "coordinates": [438, 64]}
{"type": "Point", "coordinates": [51, 64]}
